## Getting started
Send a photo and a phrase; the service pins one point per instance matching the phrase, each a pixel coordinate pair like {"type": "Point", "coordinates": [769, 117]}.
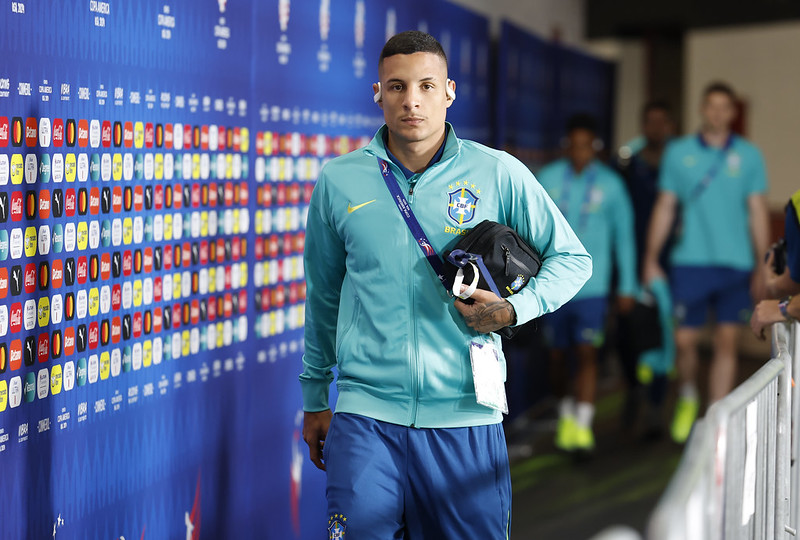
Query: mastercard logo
{"type": "Point", "coordinates": [69, 306]}
{"type": "Point", "coordinates": [31, 204]}
{"type": "Point", "coordinates": [17, 131]}
{"type": "Point", "coordinates": [117, 134]}
{"type": "Point", "coordinates": [56, 344]}
{"type": "Point", "coordinates": [71, 134]}
{"type": "Point", "coordinates": [127, 199]}
{"type": "Point", "coordinates": [137, 261]}
{"type": "Point", "coordinates": [83, 201]}
{"type": "Point", "coordinates": [94, 268]}
{"type": "Point", "coordinates": [105, 332]}
{"type": "Point", "coordinates": [44, 276]}
{"type": "Point", "coordinates": [178, 253]}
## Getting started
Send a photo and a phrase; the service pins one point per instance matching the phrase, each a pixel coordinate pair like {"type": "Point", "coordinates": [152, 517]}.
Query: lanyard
{"type": "Point", "coordinates": [412, 223]}
{"type": "Point", "coordinates": [713, 170]}
{"type": "Point", "coordinates": [563, 204]}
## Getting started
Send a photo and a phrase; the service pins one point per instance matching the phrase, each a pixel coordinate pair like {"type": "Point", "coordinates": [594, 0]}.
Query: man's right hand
{"type": "Point", "coordinates": [315, 429]}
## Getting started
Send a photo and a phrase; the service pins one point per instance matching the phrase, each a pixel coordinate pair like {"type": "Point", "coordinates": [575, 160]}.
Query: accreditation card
{"type": "Point", "coordinates": [487, 372]}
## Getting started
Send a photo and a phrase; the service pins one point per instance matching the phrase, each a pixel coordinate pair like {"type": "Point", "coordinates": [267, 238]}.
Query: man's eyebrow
{"type": "Point", "coordinates": [424, 79]}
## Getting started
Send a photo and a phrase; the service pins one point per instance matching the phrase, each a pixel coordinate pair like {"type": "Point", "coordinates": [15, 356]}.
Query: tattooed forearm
{"type": "Point", "coordinates": [491, 317]}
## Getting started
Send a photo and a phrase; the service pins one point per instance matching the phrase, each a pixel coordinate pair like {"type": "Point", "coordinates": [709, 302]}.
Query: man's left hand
{"type": "Point", "coordinates": [765, 314]}
{"type": "Point", "coordinates": [488, 313]}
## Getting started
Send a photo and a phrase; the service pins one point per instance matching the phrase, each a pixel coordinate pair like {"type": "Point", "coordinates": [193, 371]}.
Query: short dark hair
{"type": "Point", "coordinates": [719, 87]}
{"type": "Point", "coordinates": [656, 105]}
{"type": "Point", "coordinates": [410, 42]}
{"type": "Point", "coordinates": [583, 121]}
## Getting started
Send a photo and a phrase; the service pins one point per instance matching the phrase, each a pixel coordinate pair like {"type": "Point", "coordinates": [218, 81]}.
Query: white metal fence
{"type": "Point", "coordinates": [739, 477]}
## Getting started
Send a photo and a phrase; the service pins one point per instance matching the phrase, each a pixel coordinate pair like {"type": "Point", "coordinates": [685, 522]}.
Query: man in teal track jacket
{"type": "Point", "coordinates": [410, 452]}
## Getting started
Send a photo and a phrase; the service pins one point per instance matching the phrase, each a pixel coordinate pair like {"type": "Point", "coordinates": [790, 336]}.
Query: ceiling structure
{"type": "Point", "coordinates": [638, 18]}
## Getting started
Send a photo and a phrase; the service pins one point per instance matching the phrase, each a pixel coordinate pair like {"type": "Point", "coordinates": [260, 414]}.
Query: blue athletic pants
{"type": "Point", "coordinates": [387, 481]}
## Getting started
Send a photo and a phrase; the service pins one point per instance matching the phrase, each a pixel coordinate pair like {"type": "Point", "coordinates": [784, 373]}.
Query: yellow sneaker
{"type": "Point", "coordinates": [565, 433]}
{"type": "Point", "coordinates": [685, 414]}
{"type": "Point", "coordinates": [584, 439]}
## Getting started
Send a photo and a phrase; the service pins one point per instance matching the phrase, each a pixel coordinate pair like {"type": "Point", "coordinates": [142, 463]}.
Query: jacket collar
{"type": "Point", "coordinates": [452, 144]}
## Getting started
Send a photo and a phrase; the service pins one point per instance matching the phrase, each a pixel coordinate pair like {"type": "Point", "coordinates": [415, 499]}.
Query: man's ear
{"type": "Point", "coordinates": [378, 97]}
{"type": "Point", "coordinates": [450, 91]}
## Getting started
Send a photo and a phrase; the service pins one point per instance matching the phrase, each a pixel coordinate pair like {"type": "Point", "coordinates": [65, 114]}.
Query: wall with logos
{"type": "Point", "coordinates": [156, 162]}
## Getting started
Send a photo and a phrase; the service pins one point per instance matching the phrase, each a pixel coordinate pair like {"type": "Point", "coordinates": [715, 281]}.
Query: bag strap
{"type": "Point", "coordinates": [413, 225]}
{"type": "Point", "coordinates": [461, 258]}
{"type": "Point", "coordinates": [713, 170]}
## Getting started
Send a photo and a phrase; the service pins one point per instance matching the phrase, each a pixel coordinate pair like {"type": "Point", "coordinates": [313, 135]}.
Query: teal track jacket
{"type": "Point", "coordinates": [375, 309]}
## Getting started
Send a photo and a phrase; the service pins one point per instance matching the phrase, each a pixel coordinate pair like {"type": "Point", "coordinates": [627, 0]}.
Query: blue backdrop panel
{"type": "Point", "coordinates": [585, 85]}
{"type": "Point", "coordinates": [539, 86]}
{"type": "Point", "coordinates": [156, 161]}
{"type": "Point", "coordinates": [526, 93]}
{"type": "Point", "coordinates": [465, 39]}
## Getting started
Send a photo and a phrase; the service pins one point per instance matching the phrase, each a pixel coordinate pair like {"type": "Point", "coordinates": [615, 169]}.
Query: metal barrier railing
{"type": "Point", "coordinates": [738, 476]}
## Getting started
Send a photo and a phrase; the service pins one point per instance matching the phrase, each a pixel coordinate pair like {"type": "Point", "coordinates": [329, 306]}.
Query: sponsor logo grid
{"type": "Point", "coordinates": [109, 273]}
{"type": "Point", "coordinates": [113, 260]}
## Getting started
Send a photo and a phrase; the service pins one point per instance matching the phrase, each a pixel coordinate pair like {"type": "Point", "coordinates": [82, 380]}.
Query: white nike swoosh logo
{"type": "Point", "coordinates": [351, 209]}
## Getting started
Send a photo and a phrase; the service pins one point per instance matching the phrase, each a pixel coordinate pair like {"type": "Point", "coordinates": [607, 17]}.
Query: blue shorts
{"type": "Point", "coordinates": [696, 290]}
{"type": "Point", "coordinates": [388, 481]}
{"type": "Point", "coordinates": [577, 322]}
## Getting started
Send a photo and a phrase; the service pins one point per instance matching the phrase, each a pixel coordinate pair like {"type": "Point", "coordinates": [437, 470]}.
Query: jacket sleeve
{"type": "Point", "coordinates": [621, 216]}
{"type": "Point", "coordinates": [566, 265]}
{"type": "Point", "coordinates": [324, 261]}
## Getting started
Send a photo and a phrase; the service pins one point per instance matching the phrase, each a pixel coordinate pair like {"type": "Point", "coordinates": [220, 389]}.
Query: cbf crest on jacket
{"type": "Point", "coordinates": [376, 311]}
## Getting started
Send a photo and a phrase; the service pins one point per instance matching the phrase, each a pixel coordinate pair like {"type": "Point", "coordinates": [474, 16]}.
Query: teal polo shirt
{"type": "Point", "coordinates": [713, 186]}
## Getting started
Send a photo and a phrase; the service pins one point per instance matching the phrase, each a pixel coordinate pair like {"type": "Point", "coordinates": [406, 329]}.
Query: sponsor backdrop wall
{"type": "Point", "coordinates": [156, 162]}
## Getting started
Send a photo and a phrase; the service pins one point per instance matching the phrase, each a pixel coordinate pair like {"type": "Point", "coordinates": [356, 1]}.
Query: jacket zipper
{"type": "Point", "coordinates": [415, 375]}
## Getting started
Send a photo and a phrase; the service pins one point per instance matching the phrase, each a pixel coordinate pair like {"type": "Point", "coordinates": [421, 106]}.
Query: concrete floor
{"type": "Point", "coordinates": [558, 497]}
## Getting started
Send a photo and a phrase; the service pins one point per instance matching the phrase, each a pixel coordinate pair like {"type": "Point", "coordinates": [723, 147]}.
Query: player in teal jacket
{"type": "Point", "coordinates": [593, 199]}
{"type": "Point", "coordinates": [410, 448]}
